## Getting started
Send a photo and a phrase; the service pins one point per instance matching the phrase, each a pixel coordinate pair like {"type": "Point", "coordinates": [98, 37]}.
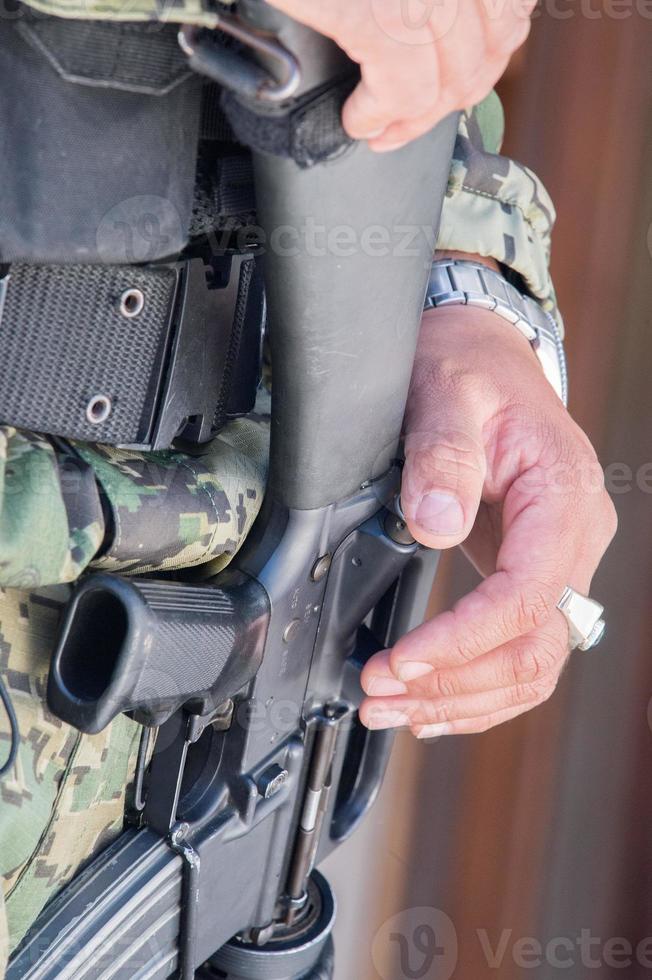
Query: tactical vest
{"type": "Point", "coordinates": [123, 190]}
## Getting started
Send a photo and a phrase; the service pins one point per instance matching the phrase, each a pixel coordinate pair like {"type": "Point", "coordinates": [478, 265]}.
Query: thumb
{"type": "Point", "coordinates": [443, 477]}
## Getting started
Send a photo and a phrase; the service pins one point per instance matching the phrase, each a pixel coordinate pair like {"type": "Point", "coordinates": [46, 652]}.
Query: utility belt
{"type": "Point", "coordinates": [130, 355]}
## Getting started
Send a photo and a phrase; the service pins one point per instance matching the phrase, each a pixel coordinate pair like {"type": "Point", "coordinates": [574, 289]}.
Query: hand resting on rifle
{"type": "Point", "coordinates": [419, 59]}
{"type": "Point", "coordinates": [493, 462]}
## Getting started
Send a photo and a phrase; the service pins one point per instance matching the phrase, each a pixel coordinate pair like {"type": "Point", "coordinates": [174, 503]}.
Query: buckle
{"type": "Point", "coordinates": [235, 72]}
{"type": "Point", "coordinates": [211, 372]}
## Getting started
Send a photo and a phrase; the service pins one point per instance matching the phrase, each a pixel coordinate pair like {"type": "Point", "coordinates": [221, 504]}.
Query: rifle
{"type": "Point", "coordinates": [251, 679]}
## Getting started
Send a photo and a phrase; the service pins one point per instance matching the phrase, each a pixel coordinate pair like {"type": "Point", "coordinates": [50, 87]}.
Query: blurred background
{"type": "Point", "coordinates": [543, 827]}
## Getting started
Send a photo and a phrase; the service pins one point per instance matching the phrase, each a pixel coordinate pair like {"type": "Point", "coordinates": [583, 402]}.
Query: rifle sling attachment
{"type": "Point", "coordinates": [130, 355]}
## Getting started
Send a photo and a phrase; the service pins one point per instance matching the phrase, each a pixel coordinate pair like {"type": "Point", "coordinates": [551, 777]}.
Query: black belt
{"type": "Point", "coordinates": [129, 355]}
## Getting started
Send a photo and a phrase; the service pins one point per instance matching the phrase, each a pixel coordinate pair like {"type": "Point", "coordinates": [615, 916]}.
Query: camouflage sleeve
{"type": "Point", "coordinates": [497, 207]}
{"type": "Point", "coordinates": [51, 520]}
{"type": "Point", "coordinates": [65, 797]}
{"type": "Point", "coordinates": [200, 12]}
{"type": "Point", "coordinates": [169, 510]}
{"type": "Point", "coordinates": [63, 507]}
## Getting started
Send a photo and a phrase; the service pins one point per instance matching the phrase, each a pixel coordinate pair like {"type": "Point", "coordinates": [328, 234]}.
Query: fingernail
{"type": "Point", "coordinates": [434, 731]}
{"type": "Point", "coordinates": [388, 719]}
{"type": "Point", "coordinates": [388, 147]}
{"type": "Point", "coordinates": [440, 513]}
{"type": "Point", "coordinates": [385, 687]}
{"type": "Point", "coordinates": [410, 671]}
{"type": "Point", "coordinates": [374, 134]}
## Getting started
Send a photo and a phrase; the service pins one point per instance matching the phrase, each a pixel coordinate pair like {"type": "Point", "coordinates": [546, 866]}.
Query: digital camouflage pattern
{"type": "Point", "coordinates": [51, 522]}
{"type": "Point", "coordinates": [201, 12]}
{"type": "Point", "coordinates": [65, 797]}
{"type": "Point", "coordinates": [64, 800]}
{"type": "Point", "coordinates": [497, 207]}
{"type": "Point", "coordinates": [171, 510]}
{"type": "Point", "coordinates": [166, 510]}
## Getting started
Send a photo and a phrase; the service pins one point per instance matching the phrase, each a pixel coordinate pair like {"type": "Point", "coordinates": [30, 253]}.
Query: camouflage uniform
{"type": "Point", "coordinates": [64, 799]}
{"type": "Point", "coordinates": [64, 507]}
{"type": "Point", "coordinates": [497, 207]}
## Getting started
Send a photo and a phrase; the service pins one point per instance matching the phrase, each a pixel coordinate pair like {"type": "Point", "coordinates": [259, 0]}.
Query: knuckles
{"type": "Point", "coordinates": [435, 713]}
{"type": "Point", "coordinates": [534, 667]}
{"type": "Point", "coordinates": [534, 693]}
{"type": "Point", "coordinates": [442, 685]}
{"type": "Point", "coordinates": [534, 604]}
{"type": "Point", "coordinates": [449, 460]}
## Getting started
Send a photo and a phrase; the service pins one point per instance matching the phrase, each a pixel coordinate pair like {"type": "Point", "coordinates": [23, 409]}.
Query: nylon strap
{"type": "Point", "coordinates": [126, 355]}
{"type": "Point", "coordinates": [309, 130]}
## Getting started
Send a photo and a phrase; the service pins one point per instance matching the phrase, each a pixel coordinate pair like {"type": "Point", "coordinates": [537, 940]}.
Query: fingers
{"type": "Point", "coordinates": [471, 698]}
{"type": "Point", "coordinates": [470, 726]}
{"type": "Point", "coordinates": [445, 464]}
{"type": "Point", "coordinates": [544, 523]}
{"type": "Point", "coordinates": [532, 660]}
{"type": "Point", "coordinates": [414, 713]}
{"type": "Point", "coordinates": [505, 27]}
{"type": "Point", "coordinates": [494, 688]}
{"type": "Point", "coordinates": [442, 484]}
{"type": "Point", "coordinates": [403, 131]}
{"type": "Point", "coordinates": [413, 51]}
{"type": "Point", "coordinates": [419, 61]}
{"type": "Point", "coordinates": [544, 548]}
{"type": "Point", "coordinates": [503, 647]}
{"type": "Point", "coordinates": [396, 85]}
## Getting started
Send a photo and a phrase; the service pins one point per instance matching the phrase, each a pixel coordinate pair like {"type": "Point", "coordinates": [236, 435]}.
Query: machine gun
{"type": "Point", "coordinates": [260, 767]}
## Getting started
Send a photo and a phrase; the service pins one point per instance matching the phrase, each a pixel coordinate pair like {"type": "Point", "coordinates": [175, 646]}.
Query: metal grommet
{"type": "Point", "coordinates": [132, 302]}
{"type": "Point", "coordinates": [98, 409]}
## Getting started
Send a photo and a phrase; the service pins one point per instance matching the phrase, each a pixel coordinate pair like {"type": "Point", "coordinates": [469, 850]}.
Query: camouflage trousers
{"type": "Point", "coordinates": [64, 800]}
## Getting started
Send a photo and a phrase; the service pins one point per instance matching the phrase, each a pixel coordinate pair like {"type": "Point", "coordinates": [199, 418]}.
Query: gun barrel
{"type": "Point", "coordinates": [152, 647]}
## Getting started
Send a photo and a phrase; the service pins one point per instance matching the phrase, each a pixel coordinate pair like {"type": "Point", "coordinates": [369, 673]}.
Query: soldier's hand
{"type": "Point", "coordinates": [419, 59]}
{"type": "Point", "coordinates": [493, 461]}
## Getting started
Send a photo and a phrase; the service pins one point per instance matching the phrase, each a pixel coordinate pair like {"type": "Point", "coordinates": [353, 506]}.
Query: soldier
{"type": "Point", "coordinates": [477, 389]}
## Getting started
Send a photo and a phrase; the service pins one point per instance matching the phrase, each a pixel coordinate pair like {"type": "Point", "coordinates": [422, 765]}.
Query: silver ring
{"type": "Point", "coordinates": [584, 617]}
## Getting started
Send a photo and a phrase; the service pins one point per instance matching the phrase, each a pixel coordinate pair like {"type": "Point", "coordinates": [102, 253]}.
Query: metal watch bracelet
{"type": "Point", "coordinates": [455, 282]}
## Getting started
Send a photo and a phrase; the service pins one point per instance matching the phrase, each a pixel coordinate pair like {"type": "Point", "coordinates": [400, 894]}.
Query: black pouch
{"type": "Point", "coordinates": [99, 126]}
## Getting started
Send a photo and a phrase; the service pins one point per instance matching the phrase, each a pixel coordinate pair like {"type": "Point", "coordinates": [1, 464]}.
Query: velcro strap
{"type": "Point", "coordinates": [122, 355]}
{"type": "Point", "coordinates": [308, 130]}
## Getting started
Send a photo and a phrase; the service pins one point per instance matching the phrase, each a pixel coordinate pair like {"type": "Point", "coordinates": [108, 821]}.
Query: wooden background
{"type": "Point", "coordinates": [543, 827]}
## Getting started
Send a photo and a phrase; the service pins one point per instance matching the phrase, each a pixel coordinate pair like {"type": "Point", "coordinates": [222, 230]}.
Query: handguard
{"type": "Point", "coordinates": [151, 647]}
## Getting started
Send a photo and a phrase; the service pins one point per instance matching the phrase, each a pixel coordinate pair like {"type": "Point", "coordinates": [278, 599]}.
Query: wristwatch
{"type": "Point", "coordinates": [460, 282]}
